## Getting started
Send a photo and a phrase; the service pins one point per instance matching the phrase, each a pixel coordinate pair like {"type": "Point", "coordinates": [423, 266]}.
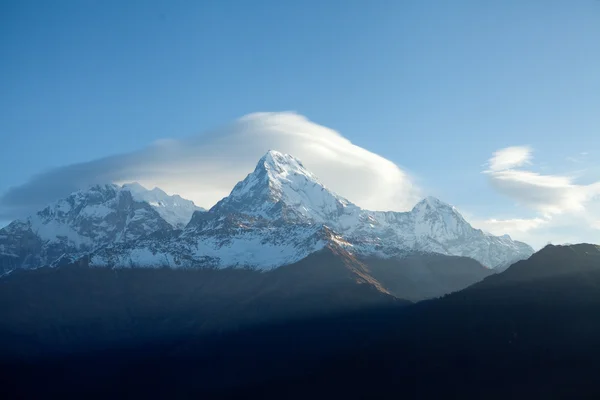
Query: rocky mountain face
{"type": "Point", "coordinates": [279, 214]}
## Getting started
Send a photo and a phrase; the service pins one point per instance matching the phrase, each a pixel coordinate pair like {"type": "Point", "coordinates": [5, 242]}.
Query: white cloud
{"type": "Point", "coordinates": [205, 168]}
{"type": "Point", "coordinates": [510, 157]}
{"type": "Point", "coordinates": [548, 194]}
{"type": "Point", "coordinates": [567, 211]}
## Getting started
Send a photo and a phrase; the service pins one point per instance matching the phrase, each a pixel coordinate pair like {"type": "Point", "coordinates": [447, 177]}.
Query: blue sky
{"type": "Point", "coordinates": [434, 86]}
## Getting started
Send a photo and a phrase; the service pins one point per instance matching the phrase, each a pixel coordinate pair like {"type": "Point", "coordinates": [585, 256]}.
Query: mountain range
{"type": "Point", "coordinates": [279, 214]}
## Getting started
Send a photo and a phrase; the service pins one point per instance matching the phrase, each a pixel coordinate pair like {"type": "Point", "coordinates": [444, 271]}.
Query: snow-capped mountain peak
{"type": "Point", "coordinates": [282, 163]}
{"type": "Point", "coordinates": [431, 207]}
{"type": "Point", "coordinates": [174, 209]}
{"type": "Point", "coordinates": [432, 202]}
{"type": "Point", "coordinates": [441, 222]}
{"type": "Point", "coordinates": [83, 221]}
{"type": "Point", "coordinates": [277, 170]}
{"type": "Point", "coordinates": [281, 187]}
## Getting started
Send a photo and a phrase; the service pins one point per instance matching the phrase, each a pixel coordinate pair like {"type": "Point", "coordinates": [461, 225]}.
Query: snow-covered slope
{"type": "Point", "coordinates": [218, 243]}
{"type": "Point", "coordinates": [87, 220]}
{"type": "Point", "coordinates": [281, 212]}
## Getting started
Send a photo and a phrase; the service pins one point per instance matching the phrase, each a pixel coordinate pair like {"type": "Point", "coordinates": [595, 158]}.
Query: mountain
{"type": "Point", "coordinates": [281, 188]}
{"type": "Point", "coordinates": [87, 220]}
{"type": "Point", "coordinates": [277, 216]}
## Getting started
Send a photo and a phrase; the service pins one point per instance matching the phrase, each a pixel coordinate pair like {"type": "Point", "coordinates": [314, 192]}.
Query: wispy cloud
{"type": "Point", "coordinates": [549, 194]}
{"type": "Point", "coordinates": [562, 205]}
{"type": "Point", "coordinates": [510, 157]}
{"type": "Point", "coordinates": [205, 168]}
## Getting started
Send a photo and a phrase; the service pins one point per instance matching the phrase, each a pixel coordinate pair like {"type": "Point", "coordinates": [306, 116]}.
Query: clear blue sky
{"type": "Point", "coordinates": [435, 86]}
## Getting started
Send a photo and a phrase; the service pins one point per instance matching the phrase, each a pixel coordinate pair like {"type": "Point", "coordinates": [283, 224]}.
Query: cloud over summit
{"type": "Point", "coordinates": [204, 168]}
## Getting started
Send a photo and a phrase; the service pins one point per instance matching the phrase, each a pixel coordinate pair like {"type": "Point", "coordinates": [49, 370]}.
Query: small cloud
{"type": "Point", "coordinates": [509, 157]}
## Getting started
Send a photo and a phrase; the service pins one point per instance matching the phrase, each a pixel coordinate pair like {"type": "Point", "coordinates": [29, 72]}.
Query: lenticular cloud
{"type": "Point", "coordinates": [204, 168]}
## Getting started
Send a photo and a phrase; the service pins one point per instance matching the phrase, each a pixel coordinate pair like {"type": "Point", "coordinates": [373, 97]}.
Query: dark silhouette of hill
{"type": "Point", "coordinates": [74, 306]}
{"type": "Point", "coordinates": [530, 332]}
